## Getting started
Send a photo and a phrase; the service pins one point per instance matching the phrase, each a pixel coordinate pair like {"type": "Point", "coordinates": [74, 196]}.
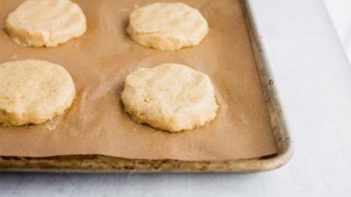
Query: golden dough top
{"type": "Point", "coordinates": [167, 26]}
{"type": "Point", "coordinates": [33, 91]}
{"type": "Point", "coordinates": [47, 23]}
{"type": "Point", "coordinates": [171, 97]}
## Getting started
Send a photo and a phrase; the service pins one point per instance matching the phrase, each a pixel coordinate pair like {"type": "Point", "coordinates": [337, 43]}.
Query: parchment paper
{"type": "Point", "coordinates": [99, 62]}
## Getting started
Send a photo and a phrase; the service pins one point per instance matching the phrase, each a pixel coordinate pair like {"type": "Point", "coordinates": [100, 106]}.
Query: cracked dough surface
{"type": "Point", "coordinates": [33, 91]}
{"type": "Point", "coordinates": [170, 97]}
{"type": "Point", "coordinates": [46, 23]}
{"type": "Point", "coordinates": [167, 26]}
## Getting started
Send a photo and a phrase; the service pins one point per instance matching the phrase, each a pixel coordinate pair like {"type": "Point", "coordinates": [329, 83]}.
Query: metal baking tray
{"type": "Point", "coordinates": [100, 163]}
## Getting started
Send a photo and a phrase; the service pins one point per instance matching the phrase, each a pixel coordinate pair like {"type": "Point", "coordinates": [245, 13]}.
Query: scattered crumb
{"type": "Point", "coordinates": [51, 127]}
{"type": "Point", "coordinates": [123, 9]}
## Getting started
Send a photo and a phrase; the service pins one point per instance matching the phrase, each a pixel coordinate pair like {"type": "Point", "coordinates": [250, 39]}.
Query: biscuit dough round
{"type": "Point", "coordinates": [167, 26]}
{"type": "Point", "coordinates": [171, 97]}
{"type": "Point", "coordinates": [46, 23]}
{"type": "Point", "coordinates": [33, 91]}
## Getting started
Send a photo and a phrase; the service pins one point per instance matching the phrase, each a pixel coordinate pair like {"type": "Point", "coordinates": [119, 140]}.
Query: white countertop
{"type": "Point", "coordinates": [339, 12]}
{"type": "Point", "coordinates": [313, 77]}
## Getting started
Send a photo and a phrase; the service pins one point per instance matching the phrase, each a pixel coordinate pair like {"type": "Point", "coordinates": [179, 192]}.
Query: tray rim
{"type": "Point", "coordinates": [102, 163]}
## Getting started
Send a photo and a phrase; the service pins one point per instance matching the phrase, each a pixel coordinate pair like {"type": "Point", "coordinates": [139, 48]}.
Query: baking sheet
{"type": "Point", "coordinates": [99, 62]}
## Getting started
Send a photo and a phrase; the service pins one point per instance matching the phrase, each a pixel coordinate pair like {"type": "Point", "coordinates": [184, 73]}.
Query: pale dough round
{"type": "Point", "coordinates": [167, 26]}
{"type": "Point", "coordinates": [33, 91]}
{"type": "Point", "coordinates": [171, 97]}
{"type": "Point", "coordinates": [47, 23]}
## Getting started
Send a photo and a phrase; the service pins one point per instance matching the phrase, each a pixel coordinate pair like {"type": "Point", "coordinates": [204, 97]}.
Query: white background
{"type": "Point", "coordinates": [340, 13]}
{"type": "Point", "coordinates": [313, 77]}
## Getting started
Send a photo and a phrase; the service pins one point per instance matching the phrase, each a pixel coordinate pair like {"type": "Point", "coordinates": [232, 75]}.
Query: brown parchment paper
{"type": "Point", "coordinates": [99, 62]}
